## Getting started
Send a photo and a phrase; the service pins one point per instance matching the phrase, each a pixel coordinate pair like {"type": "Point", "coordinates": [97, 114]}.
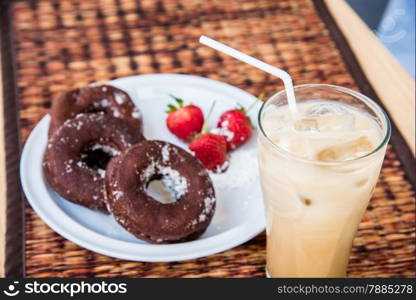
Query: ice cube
{"type": "Point", "coordinates": [301, 146]}
{"type": "Point", "coordinates": [322, 109]}
{"type": "Point", "coordinates": [306, 124]}
{"type": "Point", "coordinates": [333, 123]}
{"type": "Point", "coordinates": [349, 150]}
{"type": "Point", "coordinates": [331, 117]}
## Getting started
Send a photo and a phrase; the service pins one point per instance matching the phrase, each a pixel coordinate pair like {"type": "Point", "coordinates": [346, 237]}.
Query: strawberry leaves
{"type": "Point", "coordinates": [172, 107]}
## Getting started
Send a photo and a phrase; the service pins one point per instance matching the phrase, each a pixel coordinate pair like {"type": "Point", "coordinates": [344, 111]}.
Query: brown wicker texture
{"type": "Point", "coordinates": [65, 44]}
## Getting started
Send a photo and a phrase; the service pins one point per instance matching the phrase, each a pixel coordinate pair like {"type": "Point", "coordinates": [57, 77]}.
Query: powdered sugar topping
{"type": "Point", "coordinates": [116, 113]}
{"type": "Point", "coordinates": [119, 97]}
{"type": "Point", "coordinates": [223, 130]}
{"type": "Point", "coordinates": [68, 166]}
{"type": "Point", "coordinates": [107, 149]}
{"type": "Point", "coordinates": [136, 113]}
{"type": "Point", "coordinates": [171, 178]}
{"type": "Point", "coordinates": [165, 153]}
{"type": "Point", "coordinates": [242, 171]}
{"type": "Point", "coordinates": [174, 181]}
{"type": "Point", "coordinates": [206, 211]}
{"type": "Point", "coordinates": [104, 102]}
{"type": "Point", "coordinates": [101, 172]}
{"type": "Point", "coordinates": [209, 204]}
{"type": "Point", "coordinates": [223, 167]}
{"type": "Point", "coordinates": [148, 172]}
{"type": "Point", "coordinates": [117, 194]}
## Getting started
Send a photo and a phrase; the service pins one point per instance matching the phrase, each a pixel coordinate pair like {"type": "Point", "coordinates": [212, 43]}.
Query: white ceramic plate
{"type": "Point", "coordinates": [239, 213]}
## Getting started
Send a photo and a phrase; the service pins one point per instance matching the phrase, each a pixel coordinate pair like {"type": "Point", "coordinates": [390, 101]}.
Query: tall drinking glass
{"type": "Point", "coordinates": [318, 170]}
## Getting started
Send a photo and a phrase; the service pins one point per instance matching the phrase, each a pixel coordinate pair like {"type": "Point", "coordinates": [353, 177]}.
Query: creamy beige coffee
{"type": "Point", "coordinates": [316, 181]}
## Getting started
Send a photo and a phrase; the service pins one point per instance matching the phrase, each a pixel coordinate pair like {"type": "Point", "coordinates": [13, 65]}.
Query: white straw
{"type": "Point", "coordinates": [287, 80]}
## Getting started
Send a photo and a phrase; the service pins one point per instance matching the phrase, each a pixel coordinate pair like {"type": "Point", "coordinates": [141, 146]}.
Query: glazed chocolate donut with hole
{"type": "Point", "coordinates": [77, 155]}
{"type": "Point", "coordinates": [160, 193]}
{"type": "Point", "coordinates": [104, 98]}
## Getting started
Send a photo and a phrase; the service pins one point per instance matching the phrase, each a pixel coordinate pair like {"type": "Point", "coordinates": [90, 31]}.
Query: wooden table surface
{"type": "Point", "coordinates": [393, 85]}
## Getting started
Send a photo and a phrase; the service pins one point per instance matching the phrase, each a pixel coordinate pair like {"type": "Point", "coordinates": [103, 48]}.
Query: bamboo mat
{"type": "Point", "coordinates": [61, 45]}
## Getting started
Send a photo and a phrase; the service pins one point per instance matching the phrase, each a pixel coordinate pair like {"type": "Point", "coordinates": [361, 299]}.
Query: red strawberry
{"type": "Point", "coordinates": [211, 150]}
{"type": "Point", "coordinates": [184, 121]}
{"type": "Point", "coordinates": [235, 126]}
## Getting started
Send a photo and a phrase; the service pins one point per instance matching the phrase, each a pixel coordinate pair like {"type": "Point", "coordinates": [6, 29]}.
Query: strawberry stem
{"type": "Point", "coordinates": [205, 126]}
{"type": "Point", "coordinates": [178, 100]}
{"type": "Point", "coordinates": [251, 106]}
{"type": "Point", "coordinates": [260, 97]}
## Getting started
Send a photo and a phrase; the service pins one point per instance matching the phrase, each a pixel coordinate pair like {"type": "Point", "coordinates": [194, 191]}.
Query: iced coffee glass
{"type": "Point", "coordinates": [318, 169]}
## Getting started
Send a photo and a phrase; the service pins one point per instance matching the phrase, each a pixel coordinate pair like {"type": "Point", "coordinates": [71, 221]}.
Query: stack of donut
{"type": "Point", "coordinates": [97, 157]}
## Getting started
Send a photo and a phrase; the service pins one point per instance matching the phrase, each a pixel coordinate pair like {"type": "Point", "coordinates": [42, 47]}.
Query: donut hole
{"type": "Point", "coordinates": [158, 190]}
{"type": "Point", "coordinates": [97, 156]}
{"type": "Point", "coordinates": [165, 184]}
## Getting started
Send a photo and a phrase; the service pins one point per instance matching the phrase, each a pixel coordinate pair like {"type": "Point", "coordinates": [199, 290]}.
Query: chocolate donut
{"type": "Point", "coordinates": [127, 181]}
{"type": "Point", "coordinates": [77, 155]}
{"type": "Point", "coordinates": [106, 98]}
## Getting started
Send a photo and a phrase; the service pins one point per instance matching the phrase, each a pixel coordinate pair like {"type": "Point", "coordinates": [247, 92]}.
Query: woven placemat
{"type": "Point", "coordinates": [61, 45]}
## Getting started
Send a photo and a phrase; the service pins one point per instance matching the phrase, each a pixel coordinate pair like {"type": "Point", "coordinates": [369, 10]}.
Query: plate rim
{"type": "Point", "coordinates": [224, 241]}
